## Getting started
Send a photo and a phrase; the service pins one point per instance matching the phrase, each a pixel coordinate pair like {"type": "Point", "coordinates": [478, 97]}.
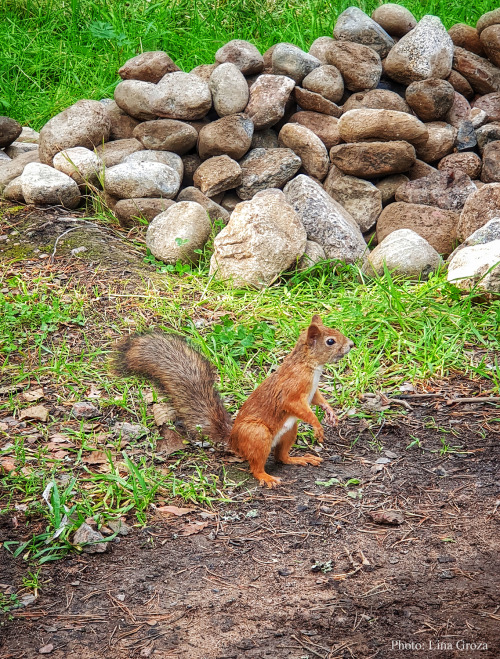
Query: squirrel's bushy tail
{"type": "Point", "coordinates": [184, 374]}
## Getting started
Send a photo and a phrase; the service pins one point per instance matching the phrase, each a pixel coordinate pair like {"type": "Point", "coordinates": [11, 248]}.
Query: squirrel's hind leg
{"type": "Point", "coordinates": [253, 442]}
{"type": "Point", "coordinates": [282, 451]}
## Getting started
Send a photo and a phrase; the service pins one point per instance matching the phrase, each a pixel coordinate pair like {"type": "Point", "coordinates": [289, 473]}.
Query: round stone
{"type": "Point", "coordinates": [179, 233]}
{"type": "Point", "coordinates": [327, 81]}
{"type": "Point", "coordinates": [167, 135]}
{"type": "Point", "coordinates": [229, 89]}
{"type": "Point", "coordinates": [145, 179]}
{"type": "Point", "coordinates": [242, 54]}
{"type": "Point", "coordinates": [430, 99]}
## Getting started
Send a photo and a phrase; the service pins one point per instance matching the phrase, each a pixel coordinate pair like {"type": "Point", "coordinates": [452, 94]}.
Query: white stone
{"type": "Point", "coordinates": [263, 238]}
{"type": "Point", "coordinates": [42, 184]}
{"type": "Point", "coordinates": [82, 164]}
{"type": "Point", "coordinates": [135, 97]}
{"type": "Point", "coordinates": [18, 148]}
{"type": "Point", "coordinates": [28, 135]}
{"type": "Point", "coordinates": [178, 232]}
{"type": "Point", "coordinates": [476, 266]}
{"type": "Point", "coordinates": [183, 96]}
{"type": "Point", "coordinates": [166, 157]}
{"type": "Point", "coordinates": [425, 52]}
{"type": "Point", "coordinates": [229, 89]}
{"type": "Point", "coordinates": [141, 179]}
{"type": "Point", "coordinates": [405, 254]}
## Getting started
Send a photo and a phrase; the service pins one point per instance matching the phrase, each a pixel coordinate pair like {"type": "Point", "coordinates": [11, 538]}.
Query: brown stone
{"type": "Point", "coordinates": [308, 147]}
{"type": "Point", "coordinates": [490, 103]}
{"type": "Point", "coordinates": [376, 99]}
{"type": "Point", "coordinates": [265, 139]}
{"type": "Point", "coordinates": [268, 97]}
{"type": "Point", "coordinates": [430, 99]}
{"type": "Point", "coordinates": [230, 200]}
{"type": "Point", "coordinates": [437, 226]}
{"type": "Point", "coordinates": [447, 189]}
{"type": "Point", "coordinates": [266, 168]}
{"type": "Point", "coordinates": [191, 164]}
{"type": "Point", "coordinates": [490, 18]}
{"type": "Point", "coordinates": [419, 170]}
{"type": "Point", "coordinates": [322, 125]}
{"type": "Point", "coordinates": [327, 81]}
{"type": "Point", "coordinates": [465, 36]}
{"type": "Point", "coordinates": [373, 159]}
{"type": "Point", "coordinates": [467, 162]}
{"type": "Point", "coordinates": [243, 54]}
{"type": "Point", "coordinates": [9, 131]}
{"type": "Point", "coordinates": [167, 135]}
{"type": "Point", "coordinates": [315, 102]}
{"type": "Point", "coordinates": [216, 175]}
{"type": "Point", "coordinates": [491, 161]}
{"type": "Point", "coordinates": [487, 133]}
{"type": "Point", "coordinates": [366, 124]}
{"type": "Point", "coordinates": [122, 124]}
{"type": "Point", "coordinates": [319, 48]}
{"type": "Point", "coordinates": [130, 211]}
{"type": "Point", "coordinates": [439, 143]}
{"type": "Point", "coordinates": [231, 135]}
{"type": "Point", "coordinates": [214, 211]}
{"type": "Point", "coordinates": [395, 19]}
{"type": "Point", "coordinates": [359, 65]}
{"type": "Point", "coordinates": [482, 75]}
{"type": "Point", "coordinates": [459, 111]}
{"type": "Point", "coordinates": [360, 198]}
{"type": "Point", "coordinates": [388, 186]}
{"type": "Point", "coordinates": [460, 84]}
{"type": "Point", "coordinates": [112, 153]}
{"type": "Point", "coordinates": [481, 207]}
{"type": "Point", "coordinates": [204, 71]}
{"type": "Point", "coordinates": [149, 67]}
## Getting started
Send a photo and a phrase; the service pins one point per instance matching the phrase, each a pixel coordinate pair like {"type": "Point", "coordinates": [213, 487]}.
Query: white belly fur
{"type": "Point", "coordinates": [290, 420]}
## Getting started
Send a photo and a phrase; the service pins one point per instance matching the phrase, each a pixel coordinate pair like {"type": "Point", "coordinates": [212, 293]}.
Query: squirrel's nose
{"type": "Point", "coordinates": [351, 345]}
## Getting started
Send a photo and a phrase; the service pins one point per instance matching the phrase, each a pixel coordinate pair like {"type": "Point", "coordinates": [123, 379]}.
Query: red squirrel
{"type": "Point", "coordinates": [268, 418]}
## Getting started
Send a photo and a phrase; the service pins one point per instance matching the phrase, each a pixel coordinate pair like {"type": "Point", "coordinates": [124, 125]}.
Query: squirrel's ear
{"type": "Point", "coordinates": [316, 320]}
{"type": "Point", "coordinates": [313, 332]}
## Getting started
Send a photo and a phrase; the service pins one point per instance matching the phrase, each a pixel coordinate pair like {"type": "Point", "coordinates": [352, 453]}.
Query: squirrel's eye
{"type": "Point", "coordinates": [330, 342]}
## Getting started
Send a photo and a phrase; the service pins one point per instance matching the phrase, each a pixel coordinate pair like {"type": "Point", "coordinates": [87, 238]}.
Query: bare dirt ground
{"type": "Point", "coordinates": [303, 571]}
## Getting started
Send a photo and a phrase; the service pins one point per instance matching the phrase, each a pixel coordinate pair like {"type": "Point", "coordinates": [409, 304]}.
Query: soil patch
{"type": "Point", "coordinates": [301, 571]}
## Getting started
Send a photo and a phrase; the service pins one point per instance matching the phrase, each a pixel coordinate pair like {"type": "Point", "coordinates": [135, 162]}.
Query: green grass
{"type": "Point", "coordinates": [55, 52]}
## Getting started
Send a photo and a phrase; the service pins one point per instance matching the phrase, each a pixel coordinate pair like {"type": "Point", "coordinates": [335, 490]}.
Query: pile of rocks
{"type": "Point", "coordinates": [387, 133]}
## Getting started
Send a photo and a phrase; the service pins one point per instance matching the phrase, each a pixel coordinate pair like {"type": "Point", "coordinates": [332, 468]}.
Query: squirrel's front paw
{"type": "Point", "coordinates": [331, 418]}
{"type": "Point", "coordinates": [319, 435]}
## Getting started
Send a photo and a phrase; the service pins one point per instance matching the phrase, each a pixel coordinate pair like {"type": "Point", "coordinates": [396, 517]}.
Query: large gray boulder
{"type": "Point", "coordinates": [86, 123]}
{"type": "Point", "coordinates": [325, 220]}
{"type": "Point", "coordinates": [263, 238]}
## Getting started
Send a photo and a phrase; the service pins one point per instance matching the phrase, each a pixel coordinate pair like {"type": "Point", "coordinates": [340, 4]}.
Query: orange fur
{"type": "Point", "coordinates": [268, 418]}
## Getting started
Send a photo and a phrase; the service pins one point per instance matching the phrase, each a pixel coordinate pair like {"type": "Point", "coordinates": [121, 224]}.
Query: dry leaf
{"type": "Point", "coordinates": [33, 394]}
{"type": "Point", "coordinates": [163, 413]}
{"type": "Point", "coordinates": [93, 392]}
{"type": "Point", "coordinates": [60, 455]}
{"type": "Point", "coordinates": [233, 458]}
{"type": "Point", "coordinates": [7, 465]}
{"type": "Point", "coordinates": [195, 527]}
{"type": "Point", "coordinates": [148, 396]}
{"type": "Point", "coordinates": [392, 517]}
{"type": "Point", "coordinates": [96, 458]}
{"type": "Point", "coordinates": [11, 389]}
{"type": "Point", "coordinates": [37, 412]}
{"type": "Point", "coordinates": [171, 441]}
{"type": "Point", "coordinates": [58, 438]}
{"type": "Point", "coordinates": [173, 510]}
